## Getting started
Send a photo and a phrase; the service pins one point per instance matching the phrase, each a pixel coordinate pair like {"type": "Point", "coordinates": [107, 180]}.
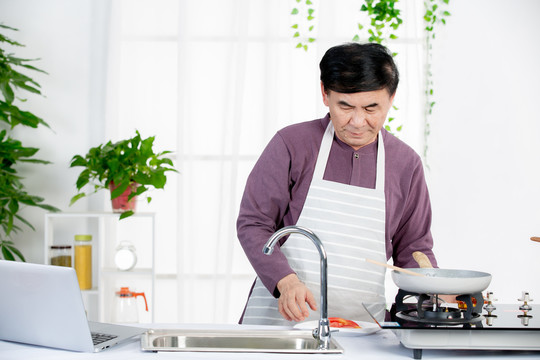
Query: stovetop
{"type": "Point", "coordinates": [475, 312]}
{"type": "Point", "coordinates": [477, 322]}
{"type": "Point", "coordinates": [505, 317]}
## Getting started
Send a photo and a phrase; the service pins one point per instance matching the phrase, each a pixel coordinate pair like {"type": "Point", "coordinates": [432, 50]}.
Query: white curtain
{"type": "Point", "coordinates": [213, 80]}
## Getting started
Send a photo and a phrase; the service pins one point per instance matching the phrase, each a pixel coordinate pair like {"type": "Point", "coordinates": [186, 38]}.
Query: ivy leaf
{"type": "Point", "coordinates": [356, 38]}
{"type": "Point", "coordinates": [16, 252]}
{"type": "Point", "coordinates": [126, 214]}
{"type": "Point", "coordinates": [299, 45]}
{"type": "Point", "coordinates": [295, 26]}
{"type": "Point", "coordinates": [7, 254]}
{"type": "Point", "coordinates": [296, 34]}
{"type": "Point", "coordinates": [294, 11]}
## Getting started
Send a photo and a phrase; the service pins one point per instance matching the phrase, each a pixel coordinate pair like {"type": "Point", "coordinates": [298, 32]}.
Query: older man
{"type": "Point", "coordinates": [359, 188]}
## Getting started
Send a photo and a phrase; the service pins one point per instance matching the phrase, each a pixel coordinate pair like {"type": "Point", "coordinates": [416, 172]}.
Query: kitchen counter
{"type": "Point", "coordinates": [381, 345]}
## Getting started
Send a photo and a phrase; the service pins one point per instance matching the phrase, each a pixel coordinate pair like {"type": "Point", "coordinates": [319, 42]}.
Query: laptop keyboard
{"type": "Point", "coordinates": [98, 338]}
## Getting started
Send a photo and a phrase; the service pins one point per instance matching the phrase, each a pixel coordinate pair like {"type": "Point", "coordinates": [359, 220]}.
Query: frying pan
{"type": "Point", "coordinates": [442, 281]}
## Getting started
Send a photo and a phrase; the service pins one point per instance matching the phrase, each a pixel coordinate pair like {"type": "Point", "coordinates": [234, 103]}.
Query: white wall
{"type": "Point", "coordinates": [484, 151]}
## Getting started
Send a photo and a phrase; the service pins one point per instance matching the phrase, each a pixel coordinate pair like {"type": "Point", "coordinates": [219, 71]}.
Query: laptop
{"type": "Point", "coordinates": [42, 305]}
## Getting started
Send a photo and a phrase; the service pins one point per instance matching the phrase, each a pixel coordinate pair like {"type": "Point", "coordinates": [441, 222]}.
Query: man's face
{"type": "Point", "coordinates": [357, 117]}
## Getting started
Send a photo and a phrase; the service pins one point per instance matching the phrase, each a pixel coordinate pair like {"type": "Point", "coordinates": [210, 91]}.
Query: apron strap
{"type": "Point", "coordinates": [324, 155]}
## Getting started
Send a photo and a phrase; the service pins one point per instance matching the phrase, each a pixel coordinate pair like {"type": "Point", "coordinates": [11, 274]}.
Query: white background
{"type": "Point", "coordinates": [483, 154]}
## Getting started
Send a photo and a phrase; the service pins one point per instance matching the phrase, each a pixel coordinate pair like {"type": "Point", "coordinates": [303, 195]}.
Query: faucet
{"type": "Point", "coordinates": [322, 332]}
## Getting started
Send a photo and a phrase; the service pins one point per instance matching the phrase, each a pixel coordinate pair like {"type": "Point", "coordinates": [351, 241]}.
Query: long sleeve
{"type": "Point", "coordinates": [410, 231]}
{"type": "Point", "coordinates": [264, 203]}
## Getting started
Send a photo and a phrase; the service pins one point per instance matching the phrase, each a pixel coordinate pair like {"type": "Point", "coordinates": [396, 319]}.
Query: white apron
{"type": "Point", "coordinates": [350, 222]}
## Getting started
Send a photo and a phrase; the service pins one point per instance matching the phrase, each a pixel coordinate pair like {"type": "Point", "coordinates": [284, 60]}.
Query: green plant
{"type": "Point", "coordinates": [13, 196]}
{"type": "Point", "coordinates": [380, 13]}
{"type": "Point", "coordinates": [123, 163]}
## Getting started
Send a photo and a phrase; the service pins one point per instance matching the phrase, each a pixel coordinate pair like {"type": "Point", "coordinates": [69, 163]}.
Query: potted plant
{"type": "Point", "coordinates": [127, 168]}
{"type": "Point", "coordinates": [13, 195]}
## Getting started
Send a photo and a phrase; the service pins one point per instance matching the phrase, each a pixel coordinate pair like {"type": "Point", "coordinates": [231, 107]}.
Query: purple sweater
{"type": "Point", "coordinates": [278, 185]}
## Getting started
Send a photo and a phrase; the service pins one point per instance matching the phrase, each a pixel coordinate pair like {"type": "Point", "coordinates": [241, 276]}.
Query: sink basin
{"type": "Point", "coordinates": [267, 341]}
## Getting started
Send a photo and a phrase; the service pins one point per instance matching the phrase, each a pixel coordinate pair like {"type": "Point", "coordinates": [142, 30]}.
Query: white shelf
{"type": "Point", "coordinates": [106, 229]}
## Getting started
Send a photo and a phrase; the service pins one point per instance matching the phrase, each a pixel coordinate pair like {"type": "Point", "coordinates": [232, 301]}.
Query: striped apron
{"type": "Point", "coordinates": [350, 222]}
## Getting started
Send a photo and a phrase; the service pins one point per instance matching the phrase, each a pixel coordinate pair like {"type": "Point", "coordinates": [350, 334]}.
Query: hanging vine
{"type": "Point", "coordinates": [384, 20]}
{"type": "Point", "coordinates": [435, 14]}
{"type": "Point", "coordinates": [303, 31]}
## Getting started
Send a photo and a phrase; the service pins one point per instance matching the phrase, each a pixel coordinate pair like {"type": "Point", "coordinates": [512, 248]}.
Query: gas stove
{"type": "Point", "coordinates": [423, 321]}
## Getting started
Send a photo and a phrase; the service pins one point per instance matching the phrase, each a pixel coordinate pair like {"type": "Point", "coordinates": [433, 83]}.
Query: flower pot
{"type": "Point", "coordinates": [121, 204]}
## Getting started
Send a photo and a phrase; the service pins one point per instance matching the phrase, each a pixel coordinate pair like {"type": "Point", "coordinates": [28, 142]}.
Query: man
{"type": "Point", "coordinates": [359, 188]}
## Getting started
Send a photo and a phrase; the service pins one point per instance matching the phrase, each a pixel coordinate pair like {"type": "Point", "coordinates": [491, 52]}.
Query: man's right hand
{"type": "Point", "coordinates": [293, 298]}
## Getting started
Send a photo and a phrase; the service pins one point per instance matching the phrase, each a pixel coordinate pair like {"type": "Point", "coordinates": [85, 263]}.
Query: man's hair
{"type": "Point", "coordinates": [354, 67]}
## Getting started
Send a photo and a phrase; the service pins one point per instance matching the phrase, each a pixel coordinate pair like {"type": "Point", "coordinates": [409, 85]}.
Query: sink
{"type": "Point", "coordinates": [265, 341]}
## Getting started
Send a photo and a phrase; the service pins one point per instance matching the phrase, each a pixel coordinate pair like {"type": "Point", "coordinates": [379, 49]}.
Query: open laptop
{"type": "Point", "coordinates": [42, 305]}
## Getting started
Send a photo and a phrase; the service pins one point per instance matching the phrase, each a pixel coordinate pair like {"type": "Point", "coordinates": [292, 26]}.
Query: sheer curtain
{"type": "Point", "coordinates": [213, 80]}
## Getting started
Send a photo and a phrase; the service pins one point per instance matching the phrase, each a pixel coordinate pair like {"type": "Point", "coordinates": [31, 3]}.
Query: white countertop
{"type": "Point", "coordinates": [380, 345]}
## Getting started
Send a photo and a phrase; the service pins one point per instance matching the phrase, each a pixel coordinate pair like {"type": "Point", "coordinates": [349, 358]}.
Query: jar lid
{"type": "Point", "coordinates": [60, 247]}
{"type": "Point", "coordinates": [83, 237]}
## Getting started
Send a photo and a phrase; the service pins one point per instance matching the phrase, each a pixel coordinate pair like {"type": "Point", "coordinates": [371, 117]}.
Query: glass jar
{"type": "Point", "coordinates": [83, 260]}
{"type": "Point", "coordinates": [60, 255]}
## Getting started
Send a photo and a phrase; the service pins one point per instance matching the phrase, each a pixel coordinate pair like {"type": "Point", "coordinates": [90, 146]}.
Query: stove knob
{"type": "Point", "coordinates": [489, 320]}
{"type": "Point", "coordinates": [525, 297]}
{"type": "Point", "coordinates": [489, 307]}
{"type": "Point", "coordinates": [525, 319]}
{"type": "Point", "coordinates": [490, 297]}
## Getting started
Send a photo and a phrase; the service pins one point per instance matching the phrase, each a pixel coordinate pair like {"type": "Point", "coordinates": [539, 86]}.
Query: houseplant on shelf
{"type": "Point", "coordinates": [127, 168]}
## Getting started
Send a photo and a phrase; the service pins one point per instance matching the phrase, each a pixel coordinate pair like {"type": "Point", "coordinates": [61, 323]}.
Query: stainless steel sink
{"type": "Point", "coordinates": [270, 341]}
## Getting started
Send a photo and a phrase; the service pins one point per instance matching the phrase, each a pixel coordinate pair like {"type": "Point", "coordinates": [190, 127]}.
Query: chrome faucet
{"type": "Point", "coordinates": [322, 332]}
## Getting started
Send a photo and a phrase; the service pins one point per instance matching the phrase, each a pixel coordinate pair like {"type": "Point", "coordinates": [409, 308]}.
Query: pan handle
{"type": "Point", "coordinates": [422, 260]}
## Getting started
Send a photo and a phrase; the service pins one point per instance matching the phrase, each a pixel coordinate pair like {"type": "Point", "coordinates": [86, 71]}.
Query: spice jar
{"type": "Point", "coordinates": [60, 255]}
{"type": "Point", "coordinates": [83, 260]}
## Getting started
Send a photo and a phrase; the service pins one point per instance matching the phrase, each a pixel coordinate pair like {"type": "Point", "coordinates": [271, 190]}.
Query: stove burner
{"type": "Point", "coordinates": [431, 313]}
{"type": "Point", "coordinates": [442, 316]}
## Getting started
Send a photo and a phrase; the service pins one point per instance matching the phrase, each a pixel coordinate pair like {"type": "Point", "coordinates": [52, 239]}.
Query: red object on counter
{"type": "Point", "coordinates": [338, 322]}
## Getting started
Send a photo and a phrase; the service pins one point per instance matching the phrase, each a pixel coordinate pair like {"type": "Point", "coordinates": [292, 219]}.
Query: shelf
{"type": "Point", "coordinates": [107, 232]}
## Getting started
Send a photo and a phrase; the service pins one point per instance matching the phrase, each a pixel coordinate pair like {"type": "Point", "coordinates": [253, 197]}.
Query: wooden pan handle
{"type": "Point", "coordinates": [422, 259]}
{"type": "Point", "coordinates": [535, 238]}
{"type": "Point", "coordinates": [394, 267]}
